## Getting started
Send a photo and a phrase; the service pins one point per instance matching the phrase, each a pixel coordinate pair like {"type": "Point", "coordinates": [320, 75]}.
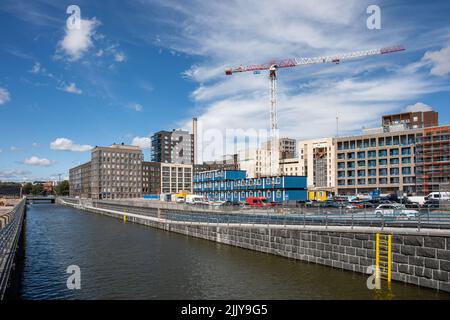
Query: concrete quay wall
{"type": "Point", "coordinates": [418, 257]}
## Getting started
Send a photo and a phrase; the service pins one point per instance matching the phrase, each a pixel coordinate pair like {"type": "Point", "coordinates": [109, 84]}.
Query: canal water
{"type": "Point", "coordinates": [129, 261]}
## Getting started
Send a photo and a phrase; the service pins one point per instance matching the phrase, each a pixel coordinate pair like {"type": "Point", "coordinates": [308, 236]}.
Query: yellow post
{"type": "Point", "coordinates": [124, 218]}
{"type": "Point", "coordinates": [389, 257]}
{"type": "Point", "coordinates": [377, 256]}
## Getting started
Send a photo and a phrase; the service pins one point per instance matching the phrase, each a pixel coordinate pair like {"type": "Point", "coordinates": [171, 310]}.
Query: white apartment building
{"type": "Point", "coordinates": [176, 178]}
{"type": "Point", "coordinates": [292, 167]}
{"type": "Point", "coordinates": [255, 161]}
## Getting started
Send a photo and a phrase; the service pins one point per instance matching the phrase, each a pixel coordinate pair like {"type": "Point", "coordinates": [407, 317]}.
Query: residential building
{"type": "Point", "coordinates": [229, 162]}
{"type": "Point", "coordinates": [317, 160]}
{"type": "Point", "coordinates": [412, 120]}
{"type": "Point", "coordinates": [255, 161]}
{"type": "Point", "coordinates": [161, 147]}
{"type": "Point", "coordinates": [232, 185]}
{"type": "Point", "coordinates": [151, 178]}
{"type": "Point", "coordinates": [287, 147]}
{"type": "Point", "coordinates": [80, 181]}
{"type": "Point", "coordinates": [433, 160]}
{"type": "Point", "coordinates": [116, 172]}
{"type": "Point", "coordinates": [383, 160]}
{"type": "Point", "coordinates": [176, 178]}
{"type": "Point", "coordinates": [292, 167]}
{"type": "Point", "coordinates": [176, 146]}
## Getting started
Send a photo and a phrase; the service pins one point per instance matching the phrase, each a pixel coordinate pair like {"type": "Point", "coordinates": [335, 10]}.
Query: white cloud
{"type": "Point", "coordinates": [253, 32]}
{"type": "Point", "coordinates": [142, 142]}
{"type": "Point", "coordinates": [440, 60]}
{"type": "Point", "coordinates": [15, 149]}
{"type": "Point", "coordinates": [119, 57]}
{"type": "Point", "coordinates": [35, 161]}
{"type": "Point", "coordinates": [64, 144]}
{"type": "Point", "coordinates": [72, 88]}
{"type": "Point", "coordinates": [146, 86]}
{"type": "Point", "coordinates": [4, 96]}
{"type": "Point", "coordinates": [76, 42]}
{"type": "Point", "coordinates": [36, 68]}
{"type": "Point", "coordinates": [14, 173]}
{"type": "Point", "coordinates": [136, 107]}
{"type": "Point", "coordinates": [417, 107]}
{"type": "Point", "coordinates": [35, 145]}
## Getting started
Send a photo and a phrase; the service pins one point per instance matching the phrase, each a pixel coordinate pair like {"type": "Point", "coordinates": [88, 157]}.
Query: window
{"type": "Point", "coordinates": [382, 153]}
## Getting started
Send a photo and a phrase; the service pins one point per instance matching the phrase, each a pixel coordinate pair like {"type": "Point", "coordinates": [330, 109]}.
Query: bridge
{"type": "Point", "coordinates": [40, 199]}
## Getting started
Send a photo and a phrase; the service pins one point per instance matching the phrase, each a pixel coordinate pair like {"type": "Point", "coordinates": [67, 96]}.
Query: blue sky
{"type": "Point", "coordinates": [136, 67]}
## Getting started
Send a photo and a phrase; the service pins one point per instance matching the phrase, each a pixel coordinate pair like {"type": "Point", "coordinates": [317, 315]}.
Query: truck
{"type": "Point", "coordinates": [259, 202]}
{"type": "Point", "coordinates": [195, 199]}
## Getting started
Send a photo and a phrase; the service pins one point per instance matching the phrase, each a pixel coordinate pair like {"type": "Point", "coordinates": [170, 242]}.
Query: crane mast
{"type": "Point", "coordinates": [273, 67]}
{"type": "Point", "coordinates": [274, 132]}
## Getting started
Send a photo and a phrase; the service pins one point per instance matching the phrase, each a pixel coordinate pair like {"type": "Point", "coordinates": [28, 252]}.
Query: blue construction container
{"type": "Point", "coordinates": [232, 185]}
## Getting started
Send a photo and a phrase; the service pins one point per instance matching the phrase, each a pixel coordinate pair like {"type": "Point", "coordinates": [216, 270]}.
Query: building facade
{"type": "Point", "coordinates": [233, 186]}
{"type": "Point", "coordinates": [176, 178]}
{"type": "Point", "coordinates": [317, 160]}
{"type": "Point", "coordinates": [114, 172]}
{"type": "Point", "coordinates": [433, 160]}
{"type": "Point", "coordinates": [384, 161]}
{"type": "Point", "coordinates": [151, 178]}
{"type": "Point", "coordinates": [228, 163]}
{"type": "Point", "coordinates": [176, 146]}
{"type": "Point", "coordinates": [292, 167]}
{"type": "Point", "coordinates": [287, 147]}
{"type": "Point", "coordinates": [255, 161]}
{"type": "Point", "coordinates": [80, 181]}
{"type": "Point", "coordinates": [412, 120]}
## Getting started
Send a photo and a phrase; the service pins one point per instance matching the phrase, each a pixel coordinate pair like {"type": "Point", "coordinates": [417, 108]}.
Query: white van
{"type": "Point", "coordinates": [438, 196]}
{"type": "Point", "coordinates": [195, 199]}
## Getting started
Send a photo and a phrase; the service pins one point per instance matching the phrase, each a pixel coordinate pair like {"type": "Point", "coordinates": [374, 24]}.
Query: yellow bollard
{"type": "Point", "coordinates": [124, 219]}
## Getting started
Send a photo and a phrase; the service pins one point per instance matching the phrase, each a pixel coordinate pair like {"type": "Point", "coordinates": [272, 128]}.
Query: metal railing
{"type": "Point", "coordinates": [302, 216]}
{"type": "Point", "coordinates": [9, 237]}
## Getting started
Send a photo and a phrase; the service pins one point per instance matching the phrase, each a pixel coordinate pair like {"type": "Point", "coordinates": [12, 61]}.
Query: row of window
{"type": "Point", "coordinates": [239, 183]}
{"type": "Point", "coordinates": [373, 153]}
{"type": "Point", "coordinates": [373, 181]}
{"type": "Point", "coordinates": [244, 194]}
{"type": "Point", "coordinates": [373, 172]}
{"type": "Point", "coordinates": [373, 163]}
{"type": "Point", "coordinates": [374, 142]}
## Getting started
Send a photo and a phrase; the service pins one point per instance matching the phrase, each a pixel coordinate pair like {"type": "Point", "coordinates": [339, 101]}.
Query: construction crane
{"type": "Point", "coordinates": [273, 66]}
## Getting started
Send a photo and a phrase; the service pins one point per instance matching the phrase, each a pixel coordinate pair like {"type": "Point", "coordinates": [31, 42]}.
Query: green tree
{"type": "Point", "coordinates": [62, 189]}
{"type": "Point", "coordinates": [27, 188]}
{"type": "Point", "coordinates": [37, 189]}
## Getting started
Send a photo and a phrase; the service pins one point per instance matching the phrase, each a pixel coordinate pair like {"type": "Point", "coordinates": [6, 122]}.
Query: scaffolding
{"type": "Point", "coordinates": [433, 160]}
{"type": "Point", "coordinates": [320, 167]}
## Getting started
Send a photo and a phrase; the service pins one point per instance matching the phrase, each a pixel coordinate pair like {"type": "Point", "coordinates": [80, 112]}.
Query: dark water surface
{"type": "Point", "coordinates": [130, 261]}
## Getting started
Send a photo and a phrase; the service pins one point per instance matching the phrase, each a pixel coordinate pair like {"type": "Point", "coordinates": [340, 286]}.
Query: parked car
{"type": "Point", "coordinates": [231, 203]}
{"type": "Point", "coordinates": [432, 204]}
{"type": "Point", "coordinates": [394, 211]}
{"type": "Point", "coordinates": [438, 196]}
